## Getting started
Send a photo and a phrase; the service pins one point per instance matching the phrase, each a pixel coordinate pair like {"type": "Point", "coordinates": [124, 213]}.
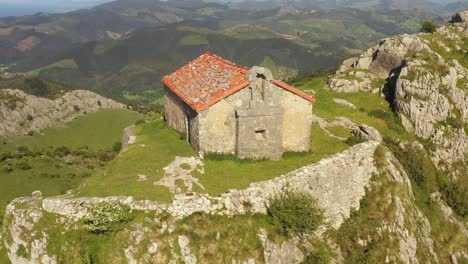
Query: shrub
{"type": "Point", "coordinates": [428, 26]}
{"type": "Point", "coordinates": [117, 147]}
{"type": "Point", "coordinates": [354, 140]}
{"type": "Point", "coordinates": [456, 195]}
{"type": "Point", "coordinates": [107, 217]}
{"type": "Point", "coordinates": [61, 151]}
{"type": "Point", "coordinates": [76, 108]}
{"type": "Point", "coordinates": [22, 251]}
{"type": "Point", "coordinates": [295, 211]}
{"type": "Point", "coordinates": [105, 156]}
{"type": "Point", "coordinates": [23, 166]}
{"type": "Point", "coordinates": [417, 164]}
{"type": "Point", "coordinates": [9, 168]}
{"type": "Point", "coordinates": [139, 122]}
{"type": "Point", "coordinates": [29, 117]}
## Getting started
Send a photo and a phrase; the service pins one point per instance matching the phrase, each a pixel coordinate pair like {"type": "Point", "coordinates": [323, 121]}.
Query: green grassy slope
{"type": "Point", "coordinates": [157, 146]}
{"type": "Point", "coordinates": [371, 109]}
{"type": "Point", "coordinates": [98, 130]}
{"type": "Point", "coordinates": [42, 167]}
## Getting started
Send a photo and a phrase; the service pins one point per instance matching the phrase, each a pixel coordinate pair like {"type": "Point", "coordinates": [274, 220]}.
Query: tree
{"type": "Point", "coordinates": [428, 26]}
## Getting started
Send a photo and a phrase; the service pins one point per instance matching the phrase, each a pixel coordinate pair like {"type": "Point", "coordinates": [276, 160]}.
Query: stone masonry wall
{"type": "Point", "coordinates": [176, 112]}
{"type": "Point", "coordinates": [259, 126]}
{"type": "Point", "coordinates": [217, 124]}
{"type": "Point", "coordinates": [230, 125]}
{"type": "Point", "coordinates": [297, 122]}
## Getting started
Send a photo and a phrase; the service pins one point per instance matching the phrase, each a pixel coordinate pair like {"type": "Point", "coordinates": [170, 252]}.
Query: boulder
{"type": "Point", "coordinates": [344, 103]}
{"type": "Point", "coordinates": [460, 17]}
{"type": "Point", "coordinates": [367, 133]}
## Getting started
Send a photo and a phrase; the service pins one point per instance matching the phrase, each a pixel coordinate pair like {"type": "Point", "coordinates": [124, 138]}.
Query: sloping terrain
{"type": "Point", "coordinates": [23, 114]}
{"type": "Point", "coordinates": [425, 78]}
{"type": "Point", "coordinates": [385, 200]}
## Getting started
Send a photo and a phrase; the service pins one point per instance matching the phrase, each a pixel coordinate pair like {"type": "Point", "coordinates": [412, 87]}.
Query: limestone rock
{"type": "Point", "coordinates": [428, 91]}
{"type": "Point", "coordinates": [366, 132]}
{"type": "Point", "coordinates": [21, 113]}
{"type": "Point", "coordinates": [286, 253]}
{"type": "Point", "coordinates": [185, 251]}
{"type": "Point", "coordinates": [344, 103]}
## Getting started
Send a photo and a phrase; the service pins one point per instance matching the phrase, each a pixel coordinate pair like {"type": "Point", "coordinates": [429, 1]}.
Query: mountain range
{"type": "Point", "coordinates": [123, 48]}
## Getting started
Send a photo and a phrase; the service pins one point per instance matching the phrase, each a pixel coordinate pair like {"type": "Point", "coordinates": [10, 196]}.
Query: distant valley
{"type": "Point", "coordinates": [122, 48]}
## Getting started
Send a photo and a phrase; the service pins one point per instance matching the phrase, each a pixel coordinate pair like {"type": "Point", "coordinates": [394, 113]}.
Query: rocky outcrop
{"type": "Point", "coordinates": [338, 182]}
{"type": "Point", "coordinates": [460, 20]}
{"type": "Point", "coordinates": [21, 113]}
{"type": "Point", "coordinates": [426, 80]}
{"type": "Point", "coordinates": [286, 252]}
{"type": "Point", "coordinates": [366, 133]}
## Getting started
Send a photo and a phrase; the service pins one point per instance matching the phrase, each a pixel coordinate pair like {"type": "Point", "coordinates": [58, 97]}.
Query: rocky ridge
{"type": "Point", "coordinates": [425, 78]}
{"type": "Point", "coordinates": [22, 114]}
{"type": "Point", "coordinates": [339, 183]}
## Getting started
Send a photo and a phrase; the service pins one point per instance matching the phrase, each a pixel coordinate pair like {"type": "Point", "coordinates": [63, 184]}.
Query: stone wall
{"type": "Point", "coordinates": [259, 126]}
{"type": "Point", "coordinates": [177, 114]}
{"type": "Point", "coordinates": [297, 122]}
{"type": "Point", "coordinates": [217, 124]}
{"type": "Point", "coordinates": [174, 112]}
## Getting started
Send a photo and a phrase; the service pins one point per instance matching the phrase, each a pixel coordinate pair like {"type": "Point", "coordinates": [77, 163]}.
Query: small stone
{"type": "Point", "coordinates": [37, 194]}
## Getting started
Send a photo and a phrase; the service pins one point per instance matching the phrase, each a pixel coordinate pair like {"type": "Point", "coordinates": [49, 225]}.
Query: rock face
{"type": "Point", "coordinates": [367, 133]}
{"type": "Point", "coordinates": [426, 81]}
{"type": "Point", "coordinates": [460, 20]}
{"type": "Point", "coordinates": [21, 113]}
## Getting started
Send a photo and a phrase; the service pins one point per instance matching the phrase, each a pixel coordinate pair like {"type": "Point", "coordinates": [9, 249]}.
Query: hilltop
{"type": "Point", "coordinates": [23, 114]}
{"type": "Point", "coordinates": [381, 126]}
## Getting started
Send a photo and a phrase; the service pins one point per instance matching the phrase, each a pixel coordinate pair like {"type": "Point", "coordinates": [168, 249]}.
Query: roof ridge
{"type": "Point", "coordinates": [226, 60]}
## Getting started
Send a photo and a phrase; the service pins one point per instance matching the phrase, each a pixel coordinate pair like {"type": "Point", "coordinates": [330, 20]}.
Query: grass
{"type": "Point", "coordinates": [162, 145]}
{"type": "Point", "coordinates": [365, 103]}
{"type": "Point", "coordinates": [98, 130]}
{"type": "Point", "coordinates": [340, 131]}
{"type": "Point", "coordinates": [65, 64]}
{"type": "Point", "coordinates": [225, 239]}
{"type": "Point", "coordinates": [222, 175]}
{"type": "Point", "coordinates": [52, 176]}
{"type": "Point", "coordinates": [155, 148]}
{"type": "Point", "coordinates": [460, 55]}
{"type": "Point", "coordinates": [194, 39]}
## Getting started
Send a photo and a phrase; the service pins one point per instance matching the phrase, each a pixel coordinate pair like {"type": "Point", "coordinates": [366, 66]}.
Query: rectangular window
{"type": "Point", "coordinates": [260, 134]}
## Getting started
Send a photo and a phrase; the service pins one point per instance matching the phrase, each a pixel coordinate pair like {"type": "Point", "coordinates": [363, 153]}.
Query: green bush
{"type": "Point", "coordinates": [107, 217]}
{"type": "Point", "coordinates": [417, 164]}
{"type": "Point", "coordinates": [295, 211]}
{"type": "Point", "coordinates": [456, 195]}
{"type": "Point", "coordinates": [22, 252]}
{"type": "Point", "coordinates": [105, 156]}
{"type": "Point", "coordinates": [139, 122]}
{"type": "Point", "coordinates": [61, 151]}
{"type": "Point", "coordinates": [354, 140]}
{"type": "Point", "coordinates": [117, 147]}
{"type": "Point", "coordinates": [23, 166]}
{"type": "Point", "coordinates": [428, 26]}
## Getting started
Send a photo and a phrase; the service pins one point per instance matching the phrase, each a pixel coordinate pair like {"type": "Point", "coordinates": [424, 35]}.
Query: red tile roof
{"type": "Point", "coordinates": [209, 78]}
